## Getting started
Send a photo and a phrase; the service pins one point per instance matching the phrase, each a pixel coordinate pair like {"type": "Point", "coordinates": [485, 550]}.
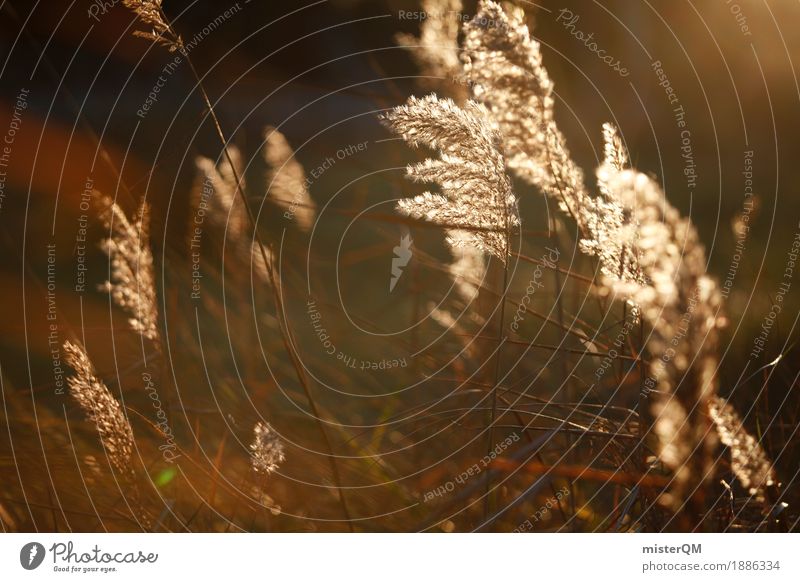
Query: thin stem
{"type": "Point", "coordinates": [642, 403]}
{"type": "Point", "coordinates": [579, 472]}
{"type": "Point", "coordinates": [283, 324]}
{"type": "Point", "coordinates": [562, 360]}
{"type": "Point", "coordinates": [490, 495]}
{"type": "Point", "coordinates": [489, 499]}
{"type": "Point", "coordinates": [554, 348]}
{"type": "Point", "coordinates": [566, 272]}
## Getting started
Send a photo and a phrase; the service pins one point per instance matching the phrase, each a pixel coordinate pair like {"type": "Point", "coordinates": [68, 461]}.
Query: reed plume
{"type": "Point", "coordinates": [215, 194]}
{"type": "Point", "coordinates": [266, 450]}
{"type": "Point", "coordinates": [132, 285]}
{"type": "Point", "coordinates": [681, 303]}
{"type": "Point", "coordinates": [265, 258]}
{"type": "Point", "coordinates": [101, 408]}
{"type": "Point", "coordinates": [504, 65]}
{"type": "Point", "coordinates": [749, 461]}
{"type": "Point", "coordinates": [647, 253]}
{"type": "Point", "coordinates": [436, 51]}
{"type": "Point", "coordinates": [476, 191]}
{"type": "Point", "coordinates": [611, 231]}
{"type": "Point", "coordinates": [151, 13]}
{"type": "Point", "coordinates": [261, 269]}
{"type": "Point", "coordinates": [287, 180]}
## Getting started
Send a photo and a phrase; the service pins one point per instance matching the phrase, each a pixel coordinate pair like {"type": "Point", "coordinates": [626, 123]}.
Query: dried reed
{"type": "Point", "coordinates": [648, 254]}
{"type": "Point", "coordinates": [476, 190]}
{"type": "Point", "coordinates": [266, 450]}
{"type": "Point", "coordinates": [287, 180]}
{"type": "Point", "coordinates": [101, 408]}
{"type": "Point", "coordinates": [132, 285]}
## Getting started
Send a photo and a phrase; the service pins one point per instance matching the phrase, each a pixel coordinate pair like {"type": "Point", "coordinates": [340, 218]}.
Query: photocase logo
{"type": "Point", "coordinates": [402, 255]}
{"type": "Point", "coordinates": [31, 555]}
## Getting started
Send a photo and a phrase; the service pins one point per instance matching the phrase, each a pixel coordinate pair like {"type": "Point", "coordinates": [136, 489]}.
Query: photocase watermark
{"type": "Point", "coordinates": [760, 342]}
{"type": "Point", "coordinates": [679, 114]}
{"type": "Point", "coordinates": [548, 261]}
{"type": "Point", "coordinates": [543, 512]}
{"type": "Point", "coordinates": [171, 67]}
{"type": "Point", "coordinates": [665, 83]}
{"type": "Point", "coordinates": [169, 448]}
{"type": "Point", "coordinates": [472, 471]}
{"type": "Point", "coordinates": [742, 225]}
{"type": "Point", "coordinates": [31, 555]}
{"type": "Point", "coordinates": [67, 559]}
{"type": "Point", "coordinates": [348, 360]}
{"type": "Point", "coordinates": [402, 255]}
{"type": "Point", "coordinates": [100, 8]}
{"type": "Point", "coordinates": [739, 16]}
{"type": "Point", "coordinates": [20, 105]}
{"type": "Point", "coordinates": [95, 560]}
{"type": "Point", "coordinates": [613, 353]}
{"type": "Point", "coordinates": [320, 169]}
{"type": "Point", "coordinates": [687, 549]}
{"type": "Point", "coordinates": [568, 20]}
{"type": "Point", "coordinates": [420, 15]}
{"type": "Point", "coordinates": [462, 81]}
{"type": "Point", "coordinates": [53, 336]}
{"type": "Point", "coordinates": [196, 236]}
{"type": "Point", "coordinates": [84, 205]}
{"type": "Point", "coordinates": [669, 353]}
{"type": "Point", "coordinates": [341, 154]}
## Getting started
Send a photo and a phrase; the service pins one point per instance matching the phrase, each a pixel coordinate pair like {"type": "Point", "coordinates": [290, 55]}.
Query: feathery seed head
{"type": "Point", "coordinates": [476, 192]}
{"type": "Point", "coordinates": [151, 13]}
{"type": "Point", "coordinates": [616, 156]}
{"type": "Point", "coordinates": [287, 180]}
{"type": "Point", "coordinates": [504, 65]}
{"type": "Point", "coordinates": [610, 230]}
{"type": "Point", "coordinates": [681, 303]}
{"type": "Point", "coordinates": [749, 462]}
{"type": "Point", "coordinates": [100, 407]}
{"type": "Point", "coordinates": [260, 268]}
{"type": "Point", "coordinates": [266, 450]}
{"type": "Point", "coordinates": [216, 193]}
{"type": "Point", "coordinates": [436, 51]}
{"type": "Point", "coordinates": [132, 285]}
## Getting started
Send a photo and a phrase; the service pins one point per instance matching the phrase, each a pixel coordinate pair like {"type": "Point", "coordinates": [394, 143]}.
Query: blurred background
{"type": "Point", "coordinates": [74, 82]}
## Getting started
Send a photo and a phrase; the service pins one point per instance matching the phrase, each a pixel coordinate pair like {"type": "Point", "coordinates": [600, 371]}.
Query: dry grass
{"type": "Point", "coordinates": [261, 441]}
